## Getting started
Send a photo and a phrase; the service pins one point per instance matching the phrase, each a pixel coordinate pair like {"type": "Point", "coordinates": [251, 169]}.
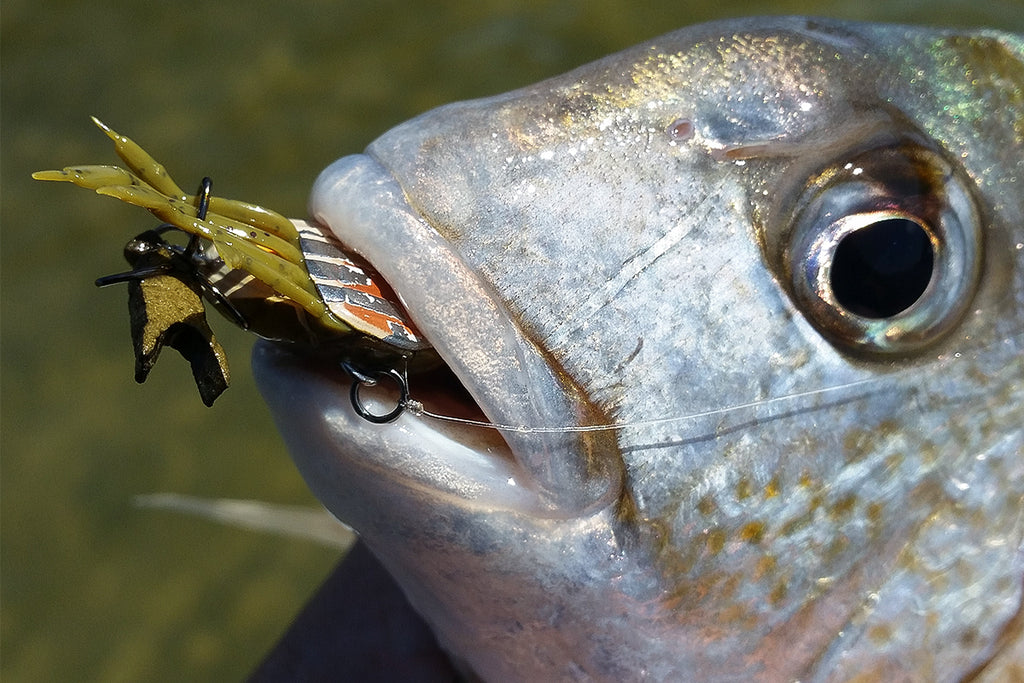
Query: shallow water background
{"type": "Point", "coordinates": [260, 96]}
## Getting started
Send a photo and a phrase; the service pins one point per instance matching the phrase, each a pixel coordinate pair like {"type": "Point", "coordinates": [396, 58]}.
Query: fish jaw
{"type": "Point", "coordinates": [507, 375]}
{"type": "Point", "coordinates": [461, 494]}
{"type": "Point", "coordinates": [872, 528]}
{"type": "Point", "coordinates": [442, 511]}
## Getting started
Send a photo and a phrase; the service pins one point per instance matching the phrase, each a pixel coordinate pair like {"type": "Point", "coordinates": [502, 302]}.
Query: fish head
{"type": "Point", "coordinates": [743, 306]}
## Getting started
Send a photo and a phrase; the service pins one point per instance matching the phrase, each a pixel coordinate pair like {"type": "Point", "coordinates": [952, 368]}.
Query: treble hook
{"type": "Point", "coordinates": [203, 196]}
{"type": "Point", "coordinates": [165, 258]}
{"type": "Point", "coordinates": [203, 203]}
{"type": "Point", "coordinates": [205, 186]}
{"type": "Point", "coordinates": [361, 378]}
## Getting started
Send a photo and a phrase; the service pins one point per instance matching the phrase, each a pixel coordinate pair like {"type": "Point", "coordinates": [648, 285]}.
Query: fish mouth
{"type": "Point", "coordinates": [493, 373]}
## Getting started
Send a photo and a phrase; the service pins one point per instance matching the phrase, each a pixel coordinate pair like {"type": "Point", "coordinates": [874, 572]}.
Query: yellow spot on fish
{"type": "Point", "coordinates": [894, 461]}
{"type": "Point", "coordinates": [837, 547]}
{"type": "Point", "coordinates": [728, 588]}
{"type": "Point", "coordinates": [874, 513]}
{"type": "Point", "coordinates": [753, 532]}
{"type": "Point", "coordinates": [765, 566]}
{"type": "Point", "coordinates": [880, 634]}
{"type": "Point", "coordinates": [706, 505]}
{"type": "Point", "coordinates": [715, 541]}
{"type": "Point", "coordinates": [929, 453]}
{"type": "Point", "coordinates": [842, 508]}
{"type": "Point", "coordinates": [732, 614]}
{"type": "Point", "coordinates": [969, 638]}
{"type": "Point", "coordinates": [778, 593]}
{"type": "Point", "coordinates": [744, 489]}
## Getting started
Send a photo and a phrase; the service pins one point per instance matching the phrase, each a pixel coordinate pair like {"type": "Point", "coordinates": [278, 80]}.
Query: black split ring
{"type": "Point", "coordinates": [361, 378]}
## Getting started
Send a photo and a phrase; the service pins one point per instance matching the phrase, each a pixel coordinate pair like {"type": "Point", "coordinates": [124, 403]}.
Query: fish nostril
{"type": "Point", "coordinates": [680, 129]}
{"type": "Point", "coordinates": [883, 268]}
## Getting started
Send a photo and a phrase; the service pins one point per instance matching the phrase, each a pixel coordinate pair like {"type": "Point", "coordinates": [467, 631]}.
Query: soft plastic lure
{"type": "Point", "coordinates": [283, 280]}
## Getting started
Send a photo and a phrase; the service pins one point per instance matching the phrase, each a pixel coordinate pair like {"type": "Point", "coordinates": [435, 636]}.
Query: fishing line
{"type": "Point", "coordinates": [407, 402]}
{"type": "Point", "coordinates": [417, 408]}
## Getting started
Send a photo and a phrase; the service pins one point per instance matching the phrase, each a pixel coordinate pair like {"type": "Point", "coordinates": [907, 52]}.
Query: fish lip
{"type": "Point", "coordinates": [342, 455]}
{"type": "Point", "coordinates": [511, 381]}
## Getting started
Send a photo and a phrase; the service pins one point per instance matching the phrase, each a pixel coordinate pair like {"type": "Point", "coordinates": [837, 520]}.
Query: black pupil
{"type": "Point", "coordinates": [882, 269]}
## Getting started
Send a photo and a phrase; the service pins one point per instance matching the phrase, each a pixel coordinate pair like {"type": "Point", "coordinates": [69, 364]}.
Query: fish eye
{"type": "Point", "coordinates": [882, 265]}
{"type": "Point", "coordinates": [885, 250]}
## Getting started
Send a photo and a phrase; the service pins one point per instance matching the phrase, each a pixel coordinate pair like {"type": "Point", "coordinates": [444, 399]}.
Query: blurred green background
{"type": "Point", "coordinates": [260, 96]}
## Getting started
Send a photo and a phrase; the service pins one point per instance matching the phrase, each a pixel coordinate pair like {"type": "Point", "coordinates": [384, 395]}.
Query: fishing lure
{"type": "Point", "coordinates": [286, 281]}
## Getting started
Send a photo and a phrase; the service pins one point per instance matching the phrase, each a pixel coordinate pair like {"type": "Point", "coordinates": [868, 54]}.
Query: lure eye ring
{"type": "Point", "coordinates": [361, 378]}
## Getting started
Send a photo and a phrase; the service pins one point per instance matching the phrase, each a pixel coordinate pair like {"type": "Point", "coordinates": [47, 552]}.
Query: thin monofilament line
{"type": "Point", "coordinates": [417, 408]}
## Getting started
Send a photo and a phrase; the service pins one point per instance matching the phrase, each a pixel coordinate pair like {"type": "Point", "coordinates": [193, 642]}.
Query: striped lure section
{"type": "Point", "coordinates": [351, 294]}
